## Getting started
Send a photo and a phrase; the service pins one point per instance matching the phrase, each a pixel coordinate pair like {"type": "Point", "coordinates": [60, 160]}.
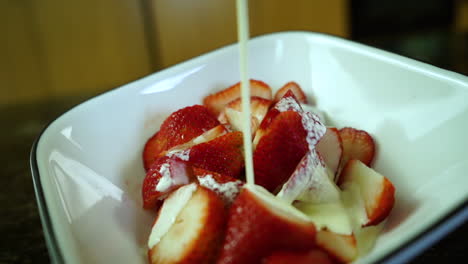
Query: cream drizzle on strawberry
{"type": "Point", "coordinates": [166, 180]}
{"type": "Point", "coordinates": [288, 103]}
{"type": "Point", "coordinates": [315, 129]}
{"type": "Point", "coordinates": [181, 154]}
{"type": "Point", "coordinates": [301, 179]}
{"type": "Point", "coordinates": [314, 110]}
{"type": "Point", "coordinates": [310, 121]}
{"type": "Point", "coordinates": [228, 190]}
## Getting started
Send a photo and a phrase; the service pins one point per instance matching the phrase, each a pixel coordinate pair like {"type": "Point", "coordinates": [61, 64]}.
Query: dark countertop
{"type": "Point", "coordinates": [22, 238]}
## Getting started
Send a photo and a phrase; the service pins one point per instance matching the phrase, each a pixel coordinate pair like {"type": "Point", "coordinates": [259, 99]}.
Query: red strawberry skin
{"type": "Point", "coordinates": [223, 155]}
{"type": "Point", "coordinates": [274, 112]}
{"type": "Point", "coordinates": [309, 257]}
{"type": "Point", "coordinates": [279, 150]}
{"type": "Point", "coordinates": [386, 202]}
{"type": "Point", "coordinates": [254, 232]}
{"type": "Point", "coordinates": [151, 151]}
{"type": "Point", "coordinates": [357, 144]}
{"type": "Point", "coordinates": [217, 101]}
{"type": "Point", "coordinates": [379, 205]}
{"type": "Point", "coordinates": [180, 127]}
{"type": "Point", "coordinates": [179, 171]}
{"type": "Point", "coordinates": [294, 88]}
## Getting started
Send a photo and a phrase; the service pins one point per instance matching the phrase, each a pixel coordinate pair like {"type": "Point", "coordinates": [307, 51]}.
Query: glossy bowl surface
{"type": "Point", "coordinates": [87, 166]}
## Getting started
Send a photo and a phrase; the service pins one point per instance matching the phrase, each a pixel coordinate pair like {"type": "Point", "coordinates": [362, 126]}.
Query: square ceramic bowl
{"type": "Point", "coordinates": [87, 166]}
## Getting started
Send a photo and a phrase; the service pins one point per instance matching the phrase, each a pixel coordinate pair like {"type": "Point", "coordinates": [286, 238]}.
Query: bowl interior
{"type": "Point", "coordinates": [89, 159]}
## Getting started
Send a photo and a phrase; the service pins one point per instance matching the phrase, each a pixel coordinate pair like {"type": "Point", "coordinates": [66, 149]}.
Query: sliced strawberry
{"type": "Point", "coordinates": [180, 150]}
{"type": "Point", "coordinates": [216, 102]}
{"type": "Point", "coordinates": [311, 122]}
{"type": "Point", "coordinates": [330, 148]}
{"type": "Point", "coordinates": [260, 224]}
{"type": "Point", "coordinates": [180, 127]}
{"type": "Point", "coordinates": [273, 113]}
{"type": "Point", "coordinates": [223, 155]}
{"type": "Point", "coordinates": [279, 151]}
{"type": "Point", "coordinates": [310, 182]}
{"type": "Point", "coordinates": [314, 256]}
{"type": "Point", "coordinates": [283, 138]}
{"type": "Point", "coordinates": [259, 106]}
{"type": "Point", "coordinates": [341, 247]}
{"type": "Point", "coordinates": [357, 144]}
{"type": "Point", "coordinates": [222, 118]}
{"type": "Point", "coordinates": [287, 103]}
{"type": "Point", "coordinates": [333, 216]}
{"type": "Point", "coordinates": [233, 112]}
{"type": "Point", "coordinates": [189, 228]}
{"type": "Point", "coordinates": [314, 110]}
{"type": "Point", "coordinates": [151, 150]}
{"type": "Point", "coordinates": [234, 120]}
{"type": "Point", "coordinates": [227, 187]}
{"type": "Point", "coordinates": [295, 89]}
{"type": "Point", "coordinates": [375, 190]}
{"type": "Point", "coordinates": [166, 175]}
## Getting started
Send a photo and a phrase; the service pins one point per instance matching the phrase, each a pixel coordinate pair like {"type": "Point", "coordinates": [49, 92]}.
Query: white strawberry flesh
{"type": "Point", "coordinates": [169, 211]}
{"type": "Point", "coordinates": [310, 182]}
{"type": "Point", "coordinates": [330, 148]}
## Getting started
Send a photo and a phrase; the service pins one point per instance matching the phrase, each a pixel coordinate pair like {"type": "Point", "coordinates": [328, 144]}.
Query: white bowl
{"type": "Point", "coordinates": [87, 166]}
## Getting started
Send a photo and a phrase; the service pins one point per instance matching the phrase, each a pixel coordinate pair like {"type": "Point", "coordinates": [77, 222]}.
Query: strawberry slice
{"type": "Point", "coordinates": [283, 138]}
{"type": "Point", "coordinates": [314, 256]}
{"type": "Point", "coordinates": [273, 113]}
{"type": "Point", "coordinates": [287, 103]}
{"type": "Point", "coordinates": [279, 151]}
{"type": "Point", "coordinates": [260, 224]}
{"type": "Point", "coordinates": [341, 247]}
{"type": "Point", "coordinates": [223, 155]}
{"type": "Point", "coordinates": [332, 216]}
{"type": "Point", "coordinates": [311, 122]}
{"type": "Point", "coordinates": [216, 102]}
{"type": "Point", "coordinates": [295, 89]}
{"type": "Point", "coordinates": [189, 228]}
{"type": "Point", "coordinates": [180, 150]}
{"type": "Point", "coordinates": [330, 148]}
{"type": "Point", "coordinates": [166, 175]}
{"type": "Point", "coordinates": [180, 127]}
{"type": "Point", "coordinates": [259, 106]}
{"type": "Point", "coordinates": [233, 112]}
{"type": "Point", "coordinates": [234, 120]}
{"type": "Point", "coordinates": [226, 187]}
{"type": "Point", "coordinates": [357, 144]}
{"type": "Point", "coordinates": [310, 182]}
{"type": "Point", "coordinates": [151, 151]}
{"type": "Point", "coordinates": [365, 184]}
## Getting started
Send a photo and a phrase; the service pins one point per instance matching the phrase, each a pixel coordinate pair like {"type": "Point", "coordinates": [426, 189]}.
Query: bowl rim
{"type": "Point", "coordinates": [401, 254]}
{"type": "Point", "coordinates": [55, 252]}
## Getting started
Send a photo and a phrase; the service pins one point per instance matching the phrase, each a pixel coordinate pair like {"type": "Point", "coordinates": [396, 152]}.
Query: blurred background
{"type": "Point", "coordinates": [55, 48]}
{"type": "Point", "coordinates": [56, 53]}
